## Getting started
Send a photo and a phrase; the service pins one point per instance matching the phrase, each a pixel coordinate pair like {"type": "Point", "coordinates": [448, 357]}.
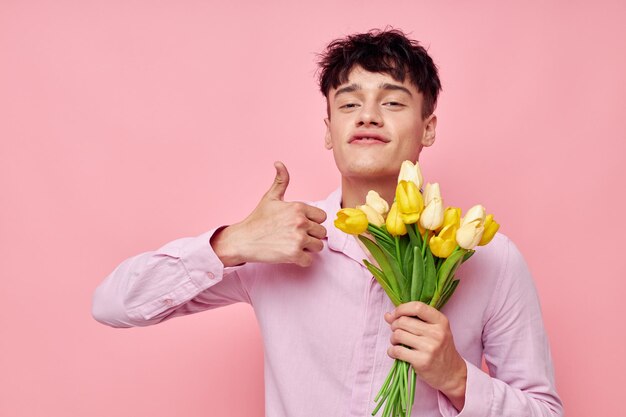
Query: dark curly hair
{"type": "Point", "coordinates": [386, 51]}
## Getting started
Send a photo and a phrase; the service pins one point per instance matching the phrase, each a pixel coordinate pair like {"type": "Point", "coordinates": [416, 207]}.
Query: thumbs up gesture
{"type": "Point", "coordinates": [276, 231]}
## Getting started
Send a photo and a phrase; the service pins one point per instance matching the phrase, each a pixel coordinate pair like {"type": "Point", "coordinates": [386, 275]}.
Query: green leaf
{"type": "Point", "coordinates": [449, 266]}
{"type": "Point", "coordinates": [416, 238]}
{"type": "Point", "coordinates": [407, 261]}
{"type": "Point", "coordinates": [447, 294]}
{"type": "Point", "coordinates": [446, 273]}
{"type": "Point", "coordinates": [383, 261]}
{"type": "Point", "coordinates": [381, 233]}
{"type": "Point", "coordinates": [382, 280]}
{"type": "Point", "coordinates": [430, 277]}
{"type": "Point", "coordinates": [417, 277]}
{"type": "Point", "coordinates": [468, 255]}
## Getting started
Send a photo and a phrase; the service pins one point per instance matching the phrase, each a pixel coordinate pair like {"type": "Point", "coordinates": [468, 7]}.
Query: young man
{"type": "Point", "coordinates": [330, 332]}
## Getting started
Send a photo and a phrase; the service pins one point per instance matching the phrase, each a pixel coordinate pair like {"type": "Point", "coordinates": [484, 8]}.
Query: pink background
{"type": "Point", "coordinates": [127, 124]}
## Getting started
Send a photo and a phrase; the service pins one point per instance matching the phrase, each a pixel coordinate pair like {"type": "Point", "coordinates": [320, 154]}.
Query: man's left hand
{"type": "Point", "coordinates": [432, 354]}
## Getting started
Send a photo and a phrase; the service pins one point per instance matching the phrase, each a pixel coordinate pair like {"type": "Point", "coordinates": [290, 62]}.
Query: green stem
{"type": "Point", "coordinates": [398, 249]}
{"type": "Point", "coordinates": [425, 242]}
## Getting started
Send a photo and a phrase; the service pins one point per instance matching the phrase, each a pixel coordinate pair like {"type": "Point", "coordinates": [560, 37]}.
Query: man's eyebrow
{"type": "Point", "coordinates": [348, 89]}
{"type": "Point", "coordinates": [384, 86]}
{"type": "Point", "coordinates": [387, 86]}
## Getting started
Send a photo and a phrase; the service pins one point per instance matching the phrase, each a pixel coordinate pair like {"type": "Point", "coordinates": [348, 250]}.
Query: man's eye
{"type": "Point", "coordinates": [348, 106]}
{"type": "Point", "coordinates": [393, 104]}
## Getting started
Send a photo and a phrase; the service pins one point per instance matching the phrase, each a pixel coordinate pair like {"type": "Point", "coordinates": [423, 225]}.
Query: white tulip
{"type": "Point", "coordinates": [373, 217]}
{"type": "Point", "coordinates": [432, 216]}
{"type": "Point", "coordinates": [411, 172]}
{"type": "Point", "coordinates": [375, 201]}
{"type": "Point", "coordinates": [431, 191]}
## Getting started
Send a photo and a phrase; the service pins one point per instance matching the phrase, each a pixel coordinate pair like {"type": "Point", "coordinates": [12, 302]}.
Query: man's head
{"type": "Point", "coordinates": [381, 90]}
{"type": "Point", "coordinates": [389, 52]}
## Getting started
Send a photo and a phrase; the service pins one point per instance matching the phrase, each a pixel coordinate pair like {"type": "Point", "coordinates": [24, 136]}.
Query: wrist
{"type": "Point", "coordinates": [455, 389]}
{"type": "Point", "coordinates": [223, 243]}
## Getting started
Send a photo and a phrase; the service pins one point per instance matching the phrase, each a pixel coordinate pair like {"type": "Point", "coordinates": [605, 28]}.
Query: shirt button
{"type": "Point", "coordinates": [168, 302]}
{"type": "Point", "coordinates": [211, 275]}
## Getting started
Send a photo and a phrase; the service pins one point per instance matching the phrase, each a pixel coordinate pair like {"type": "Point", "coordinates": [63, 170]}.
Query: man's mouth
{"type": "Point", "coordinates": [367, 139]}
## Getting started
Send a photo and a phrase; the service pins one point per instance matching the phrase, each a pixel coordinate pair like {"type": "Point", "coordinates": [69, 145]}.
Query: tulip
{"type": "Point", "coordinates": [475, 213]}
{"type": "Point", "coordinates": [451, 215]}
{"type": "Point", "coordinates": [351, 220]}
{"type": "Point", "coordinates": [431, 191]}
{"type": "Point", "coordinates": [444, 243]}
{"type": "Point", "coordinates": [373, 217]}
{"type": "Point", "coordinates": [375, 201]}
{"type": "Point", "coordinates": [411, 172]}
{"type": "Point", "coordinates": [491, 227]}
{"type": "Point", "coordinates": [470, 234]}
{"type": "Point", "coordinates": [394, 223]}
{"type": "Point", "coordinates": [410, 201]}
{"type": "Point", "coordinates": [432, 216]}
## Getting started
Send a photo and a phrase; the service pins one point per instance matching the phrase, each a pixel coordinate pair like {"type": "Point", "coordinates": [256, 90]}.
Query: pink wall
{"type": "Point", "coordinates": [126, 124]}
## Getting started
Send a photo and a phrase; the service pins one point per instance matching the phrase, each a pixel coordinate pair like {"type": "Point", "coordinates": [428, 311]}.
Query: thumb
{"type": "Point", "coordinates": [281, 181]}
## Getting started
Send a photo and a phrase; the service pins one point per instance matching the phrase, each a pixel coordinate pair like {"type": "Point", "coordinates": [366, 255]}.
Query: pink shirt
{"type": "Point", "coordinates": [326, 321]}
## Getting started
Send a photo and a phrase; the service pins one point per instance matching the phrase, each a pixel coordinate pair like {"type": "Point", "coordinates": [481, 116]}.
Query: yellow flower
{"type": "Point", "coordinates": [432, 216]}
{"type": "Point", "coordinates": [373, 216]}
{"type": "Point", "coordinates": [394, 223]}
{"type": "Point", "coordinates": [352, 221]}
{"type": "Point", "coordinates": [444, 243]}
{"type": "Point", "coordinates": [411, 172]}
{"type": "Point", "coordinates": [452, 215]}
{"type": "Point", "coordinates": [410, 201]}
{"type": "Point", "coordinates": [491, 227]}
{"type": "Point", "coordinates": [375, 201]}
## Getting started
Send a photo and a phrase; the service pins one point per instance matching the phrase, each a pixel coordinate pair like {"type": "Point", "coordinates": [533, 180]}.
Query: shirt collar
{"type": "Point", "coordinates": [337, 240]}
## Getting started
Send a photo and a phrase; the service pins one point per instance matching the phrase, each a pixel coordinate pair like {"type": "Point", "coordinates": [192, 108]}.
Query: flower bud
{"type": "Point", "coordinates": [470, 234]}
{"type": "Point", "coordinates": [451, 215]}
{"type": "Point", "coordinates": [395, 224]}
{"type": "Point", "coordinates": [475, 213]}
{"type": "Point", "coordinates": [431, 191]}
{"type": "Point", "coordinates": [411, 172]}
{"type": "Point", "coordinates": [432, 216]}
{"type": "Point", "coordinates": [491, 227]}
{"type": "Point", "coordinates": [375, 201]}
{"type": "Point", "coordinates": [351, 220]}
{"type": "Point", "coordinates": [444, 243]}
{"type": "Point", "coordinates": [410, 201]}
{"type": "Point", "coordinates": [373, 217]}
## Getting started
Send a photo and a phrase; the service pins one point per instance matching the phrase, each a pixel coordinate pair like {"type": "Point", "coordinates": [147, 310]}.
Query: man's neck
{"type": "Point", "coordinates": [354, 190]}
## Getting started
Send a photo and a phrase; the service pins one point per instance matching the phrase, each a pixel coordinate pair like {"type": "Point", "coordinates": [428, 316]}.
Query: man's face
{"type": "Point", "coordinates": [376, 123]}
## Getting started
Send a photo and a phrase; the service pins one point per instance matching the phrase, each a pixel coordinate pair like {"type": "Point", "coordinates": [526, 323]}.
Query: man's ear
{"type": "Point", "coordinates": [430, 127]}
{"type": "Point", "coordinates": [328, 142]}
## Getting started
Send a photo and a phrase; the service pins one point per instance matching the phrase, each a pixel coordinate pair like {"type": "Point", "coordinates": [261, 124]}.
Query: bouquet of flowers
{"type": "Point", "coordinates": [418, 246]}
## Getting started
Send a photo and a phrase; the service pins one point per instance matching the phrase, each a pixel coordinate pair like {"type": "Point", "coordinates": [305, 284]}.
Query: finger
{"type": "Point", "coordinates": [420, 310]}
{"type": "Point", "coordinates": [316, 214]}
{"type": "Point", "coordinates": [304, 259]}
{"type": "Point", "coordinates": [411, 325]}
{"type": "Point", "coordinates": [401, 337]}
{"type": "Point", "coordinates": [403, 353]}
{"type": "Point", "coordinates": [317, 230]}
{"type": "Point", "coordinates": [313, 245]}
{"type": "Point", "coordinates": [281, 181]}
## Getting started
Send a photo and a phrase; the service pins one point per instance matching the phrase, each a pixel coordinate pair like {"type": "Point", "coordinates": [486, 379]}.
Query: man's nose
{"type": "Point", "coordinates": [370, 115]}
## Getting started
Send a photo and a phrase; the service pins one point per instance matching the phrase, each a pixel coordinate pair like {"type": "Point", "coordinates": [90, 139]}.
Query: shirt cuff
{"type": "Point", "coordinates": [478, 395]}
{"type": "Point", "coordinates": [201, 262]}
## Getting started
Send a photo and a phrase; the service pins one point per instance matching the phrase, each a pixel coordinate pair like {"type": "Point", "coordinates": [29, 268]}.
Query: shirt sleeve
{"type": "Point", "coordinates": [184, 276]}
{"type": "Point", "coordinates": [521, 375]}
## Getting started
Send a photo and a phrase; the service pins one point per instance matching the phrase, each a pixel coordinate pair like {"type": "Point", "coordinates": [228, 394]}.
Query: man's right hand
{"type": "Point", "coordinates": [275, 232]}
